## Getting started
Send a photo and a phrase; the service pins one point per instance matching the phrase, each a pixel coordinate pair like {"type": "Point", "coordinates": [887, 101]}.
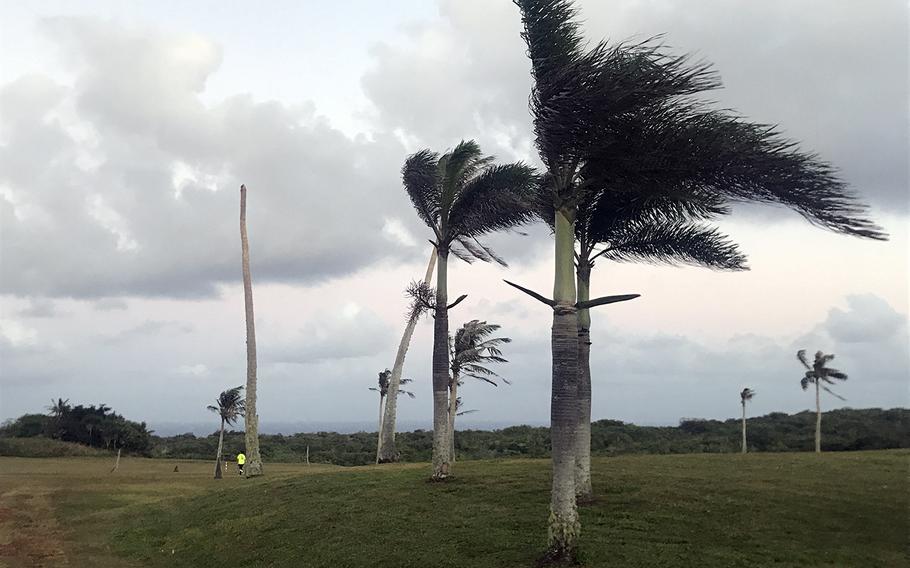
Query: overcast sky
{"type": "Point", "coordinates": [127, 128]}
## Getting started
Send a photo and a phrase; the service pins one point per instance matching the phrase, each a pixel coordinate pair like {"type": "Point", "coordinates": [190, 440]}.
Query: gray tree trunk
{"type": "Point", "coordinates": [453, 412]}
{"type": "Point", "coordinates": [744, 426]}
{"type": "Point", "coordinates": [220, 448]}
{"type": "Point", "coordinates": [389, 452]}
{"type": "Point", "coordinates": [563, 525]}
{"type": "Point", "coordinates": [379, 432]}
{"type": "Point", "coordinates": [253, 465]}
{"type": "Point", "coordinates": [818, 418]}
{"type": "Point", "coordinates": [117, 462]}
{"type": "Point", "coordinates": [584, 491]}
{"type": "Point", "coordinates": [441, 372]}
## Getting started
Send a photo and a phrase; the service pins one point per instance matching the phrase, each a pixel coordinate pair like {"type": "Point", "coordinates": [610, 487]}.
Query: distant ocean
{"type": "Point", "coordinates": [206, 428]}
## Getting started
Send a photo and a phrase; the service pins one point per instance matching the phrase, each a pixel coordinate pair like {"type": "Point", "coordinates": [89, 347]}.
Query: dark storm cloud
{"type": "Point", "coordinates": [127, 184]}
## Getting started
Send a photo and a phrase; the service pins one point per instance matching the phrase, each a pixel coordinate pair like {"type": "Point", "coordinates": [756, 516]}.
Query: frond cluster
{"type": "Point", "coordinates": [230, 405]}
{"type": "Point", "coordinates": [819, 373]}
{"type": "Point", "coordinates": [472, 350]}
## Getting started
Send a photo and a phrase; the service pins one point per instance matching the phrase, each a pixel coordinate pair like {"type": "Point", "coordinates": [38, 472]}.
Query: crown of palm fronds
{"type": "Point", "coordinates": [472, 349]}
{"type": "Point", "coordinates": [230, 405]}
{"type": "Point", "coordinates": [819, 373]}
{"type": "Point", "coordinates": [385, 380]}
{"type": "Point", "coordinates": [623, 119]}
{"type": "Point", "coordinates": [746, 394]}
{"type": "Point", "coordinates": [461, 195]}
{"type": "Point", "coordinates": [422, 296]}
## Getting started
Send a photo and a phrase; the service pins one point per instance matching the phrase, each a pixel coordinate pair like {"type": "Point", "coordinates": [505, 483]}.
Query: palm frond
{"type": "Point", "coordinates": [801, 355]}
{"type": "Point", "coordinates": [423, 298]}
{"type": "Point", "coordinates": [832, 393]}
{"type": "Point", "coordinates": [420, 182]}
{"type": "Point", "coordinates": [747, 394]}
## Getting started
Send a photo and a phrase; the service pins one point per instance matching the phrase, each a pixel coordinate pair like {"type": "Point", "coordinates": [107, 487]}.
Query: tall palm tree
{"type": "Point", "coordinates": [591, 109]}
{"type": "Point", "coordinates": [229, 406]}
{"type": "Point", "coordinates": [745, 396]}
{"type": "Point", "coordinates": [387, 450]}
{"type": "Point", "coordinates": [821, 376]}
{"type": "Point", "coordinates": [251, 426]}
{"type": "Point", "coordinates": [59, 408]}
{"type": "Point", "coordinates": [385, 382]}
{"type": "Point", "coordinates": [472, 350]}
{"type": "Point", "coordinates": [461, 196]}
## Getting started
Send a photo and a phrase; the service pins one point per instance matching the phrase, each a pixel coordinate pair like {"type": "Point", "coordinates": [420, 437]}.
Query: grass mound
{"type": "Point", "coordinates": [46, 448]}
{"type": "Point", "coordinates": [783, 510]}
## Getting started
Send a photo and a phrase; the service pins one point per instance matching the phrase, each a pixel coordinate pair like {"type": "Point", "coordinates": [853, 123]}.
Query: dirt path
{"type": "Point", "coordinates": [29, 533]}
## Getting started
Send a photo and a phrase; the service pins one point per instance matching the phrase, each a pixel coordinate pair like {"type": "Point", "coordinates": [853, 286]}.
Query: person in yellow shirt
{"type": "Point", "coordinates": [241, 459]}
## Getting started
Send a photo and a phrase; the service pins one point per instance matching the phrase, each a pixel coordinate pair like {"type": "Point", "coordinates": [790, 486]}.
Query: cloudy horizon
{"type": "Point", "coordinates": [126, 130]}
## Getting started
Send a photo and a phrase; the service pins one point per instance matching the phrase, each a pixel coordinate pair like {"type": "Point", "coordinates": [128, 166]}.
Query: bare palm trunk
{"type": "Point", "coordinates": [441, 372]}
{"type": "Point", "coordinates": [388, 452]}
{"type": "Point", "coordinates": [818, 419]}
{"type": "Point", "coordinates": [253, 466]}
{"type": "Point", "coordinates": [584, 492]}
{"type": "Point", "coordinates": [220, 448]}
{"type": "Point", "coordinates": [453, 411]}
{"type": "Point", "coordinates": [117, 462]}
{"type": "Point", "coordinates": [379, 432]}
{"type": "Point", "coordinates": [563, 526]}
{"type": "Point", "coordinates": [744, 426]}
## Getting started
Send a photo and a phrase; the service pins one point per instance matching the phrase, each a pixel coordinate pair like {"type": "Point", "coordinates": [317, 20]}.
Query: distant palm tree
{"type": "Point", "coordinates": [251, 426]}
{"type": "Point", "coordinates": [472, 350]}
{"type": "Point", "coordinates": [461, 196]}
{"type": "Point", "coordinates": [59, 407]}
{"type": "Point", "coordinates": [229, 406]}
{"type": "Point", "coordinates": [383, 390]}
{"type": "Point", "coordinates": [818, 374]}
{"type": "Point", "coordinates": [745, 396]}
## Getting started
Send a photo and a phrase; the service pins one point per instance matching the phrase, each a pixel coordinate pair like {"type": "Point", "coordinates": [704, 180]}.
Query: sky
{"type": "Point", "coordinates": [127, 128]}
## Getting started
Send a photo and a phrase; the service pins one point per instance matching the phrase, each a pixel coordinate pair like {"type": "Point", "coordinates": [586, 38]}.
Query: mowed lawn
{"type": "Point", "coordinates": [782, 510]}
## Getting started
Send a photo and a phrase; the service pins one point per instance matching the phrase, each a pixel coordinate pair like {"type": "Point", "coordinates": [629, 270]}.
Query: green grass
{"type": "Point", "coordinates": [782, 510]}
{"type": "Point", "coordinates": [46, 448]}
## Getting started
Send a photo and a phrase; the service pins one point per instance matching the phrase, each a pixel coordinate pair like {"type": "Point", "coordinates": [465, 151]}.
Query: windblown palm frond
{"type": "Point", "coordinates": [423, 298]}
{"type": "Point", "coordinates": [230, 405]}
{"type": "Point", "coordinates": [819, 373]}
{"type": "Point", "coordinates": [473, 350]}
{"type": "Point", "coordinates": [746, 394]}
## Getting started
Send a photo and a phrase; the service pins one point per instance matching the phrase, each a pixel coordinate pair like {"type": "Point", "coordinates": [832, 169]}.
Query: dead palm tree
{"type": "Point", "coordinates": [461, 196]}
{"type": "Point", "coordinates": [251, 427]}
{"type": "Point", "coordinates": [593, 107]}
{"type": "Point", "coordinates": [821, 376]}
{"type": "Point", "coordinates": [745, 396]}
{"type": "Point", "coordinates": [387, 450]}
{"type": "Point", "coordinates": [383, 390]}
{"type": "Point", "coordinates": [472, 351]}
{"type": "Point", "coordinates": [229, 406]}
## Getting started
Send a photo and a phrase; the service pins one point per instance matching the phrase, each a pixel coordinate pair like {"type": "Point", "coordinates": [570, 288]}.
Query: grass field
{"type": "Point", "coordinates": [782, 510]}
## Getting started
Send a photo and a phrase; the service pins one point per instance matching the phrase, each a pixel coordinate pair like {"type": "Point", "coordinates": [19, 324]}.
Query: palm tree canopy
{"type": "Point", "coordinates": [818, 372]}
{"type": "Point", "coordinates": [746, 394]}
{"type": "Point", "coordinates": [230, 405]}
{"type": "Point", "coordinates": [462, 195]}
{"type": "Point", "coordinates": [473, 350]}
{"type": "Point", "coordinates": [622, 119]}
{"type": "Point", "coordinates": [385, 379]}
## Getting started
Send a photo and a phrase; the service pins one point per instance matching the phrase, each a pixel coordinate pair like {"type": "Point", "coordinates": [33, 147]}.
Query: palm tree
{"type": "Point", "coordinates": [59, 408]}
{"type": "Point", "coordinates": [745, 396]}
{"type": "Point", "coordinates": [462, 196]}
{"type": "Point", "coordinates": [472, 352]}
{"type": "Point", "coordinates": [229, 406]}
{"type": "Point", "coordinates": [592, 109]}
{"type": "Point", "coordinates": [821, 376]}
{"type": "Point", "coordinates": [383, 390]}
{"type": "Point", "coordinates": [251, 426]}
{"type": "Point", "coordinates": [387, 450]}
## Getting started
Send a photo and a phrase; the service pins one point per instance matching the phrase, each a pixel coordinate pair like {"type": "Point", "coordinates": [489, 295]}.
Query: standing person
{"type": "Point", "coordinates": [241, 459]}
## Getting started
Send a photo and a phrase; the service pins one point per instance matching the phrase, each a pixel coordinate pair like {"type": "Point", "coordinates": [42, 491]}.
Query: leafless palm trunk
{"type": "Point", "coordinates": [388, 451]}
{"type": "Point", "coordinates": [584, 492]}
{"type": "Point", "coordinates": [441, 372]}
{"type": "Point", "coordinates": [744, 426]}
{"type": "Point", "coordinates": [220, 449]}
{"type": "Point", "coordinates": [818, 418]}
{"type": "Point", "coordinates": [117, 462]}
{"type": "Point", "coordinates": [563, 526]}
{"type": "Point", "coordinates": [253, 466]}
{"type": "Point", "coordinates": [379, 432]}
{"type": "Point", "coordinates": [453, 411]}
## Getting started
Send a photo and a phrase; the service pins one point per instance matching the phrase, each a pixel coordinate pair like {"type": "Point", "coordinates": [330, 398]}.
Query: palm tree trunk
{"type": "Point", "coordinates": [220, 448]}
{"type": "Point", "coordinates": [744, 426]}
{"type": "Point", "coordinates": [453, 411]}
{"type": "Point", "coordinates": [117, 462]}
{"type": "Point", "coordinates": [441, 372]}
{"type": "Point", "coordinates": [563, 525]}
{"type": "Point", "coordinates": [584, 492]}
{"type": "Point", "coordinates": [379, 432]}
{"type": "Point", "coordinates": [253, 466]}
{"type": "Point", "coordinates": [388, 452]}
{"type": "Point", "coordinates": [818, 419]}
